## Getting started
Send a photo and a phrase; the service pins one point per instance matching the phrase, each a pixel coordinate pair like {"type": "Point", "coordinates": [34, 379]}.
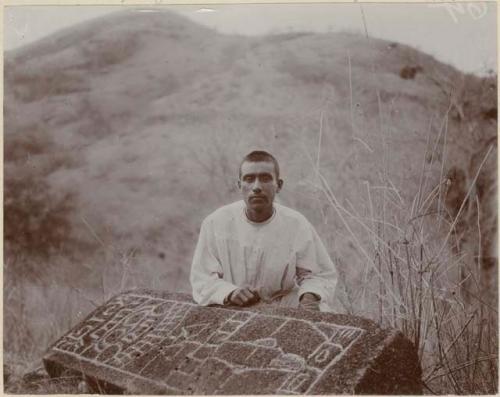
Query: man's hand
{"type": "Point", "coordinates": [243, 297]}
{"type": "Point", "coordinates": [309, 301]}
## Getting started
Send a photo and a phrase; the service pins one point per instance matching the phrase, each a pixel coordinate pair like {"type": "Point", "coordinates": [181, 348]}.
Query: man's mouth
{"type": "Point", "coordinates": [257, 198]}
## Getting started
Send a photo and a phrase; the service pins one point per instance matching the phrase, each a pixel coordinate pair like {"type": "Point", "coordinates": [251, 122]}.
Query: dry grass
{"type": "Point", "coordinates": [419, 277]}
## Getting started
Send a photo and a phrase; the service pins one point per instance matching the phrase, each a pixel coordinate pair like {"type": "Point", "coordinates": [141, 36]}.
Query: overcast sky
{"type": "Point", "coordinates": [462, 34]}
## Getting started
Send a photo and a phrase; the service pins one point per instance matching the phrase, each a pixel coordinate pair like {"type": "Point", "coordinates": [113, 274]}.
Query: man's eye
{"type": "Point", "coordinates": [266, 178]}
{"type": "Point", "coordinates": [248, 179]}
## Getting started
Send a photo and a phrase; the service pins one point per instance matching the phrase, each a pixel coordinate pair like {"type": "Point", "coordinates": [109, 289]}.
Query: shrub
{"type": "Point", "coordinates": [36, 220]}
{"type": "Point", "coordinates": [36, 217]}
{"type": "Point", "coordinates": [409, 72]}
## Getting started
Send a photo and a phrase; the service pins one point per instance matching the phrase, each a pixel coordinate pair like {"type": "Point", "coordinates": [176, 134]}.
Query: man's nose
{"type": "Point", "coordinates": [256, 186]}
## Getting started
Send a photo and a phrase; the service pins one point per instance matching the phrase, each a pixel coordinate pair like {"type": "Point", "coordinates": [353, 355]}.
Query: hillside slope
{"type": "Point", "coordinates": [135, 124]}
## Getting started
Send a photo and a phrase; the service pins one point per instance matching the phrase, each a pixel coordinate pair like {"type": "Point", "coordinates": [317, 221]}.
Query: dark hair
{"type": "Point", "coordinates": [261, 155]}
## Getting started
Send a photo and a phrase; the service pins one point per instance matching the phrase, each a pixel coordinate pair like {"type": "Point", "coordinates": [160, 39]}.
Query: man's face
{"type": "Point", "coordinates": [259, 185]}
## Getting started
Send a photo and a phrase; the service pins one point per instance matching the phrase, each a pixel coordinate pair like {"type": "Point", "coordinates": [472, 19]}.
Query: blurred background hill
{"type": "Point", "coordinates": [121, 134]}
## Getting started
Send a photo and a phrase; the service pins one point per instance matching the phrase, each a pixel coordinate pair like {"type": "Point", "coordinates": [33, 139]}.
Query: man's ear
{"type": "Point", "coordinates": [238, 183]}
{"type": "Point", "coordinates": [280, 184]}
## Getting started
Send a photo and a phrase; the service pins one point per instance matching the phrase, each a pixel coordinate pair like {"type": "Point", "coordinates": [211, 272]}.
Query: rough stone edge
{"type": "Point", "coordinates": [351, 368]}
{"type": "Point", "coordinates": [341, 319]}
{"type": "Point", "coordinates": [100, 379]}
{"type": "Point", "coordinates": [397, 359]}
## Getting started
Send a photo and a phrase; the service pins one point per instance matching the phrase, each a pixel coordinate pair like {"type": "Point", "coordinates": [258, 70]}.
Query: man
{"type": "Point", "coordinates": [257, 251]}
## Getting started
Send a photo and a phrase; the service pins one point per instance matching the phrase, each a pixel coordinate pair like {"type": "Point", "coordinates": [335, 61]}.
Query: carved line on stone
{"type": "Point", "coordinates": [333, 362]}
{"type": "Point", "coordinates": [320, 346]}
{"type": "Point", "coordinates": [233, 372]}
{"type": "Point", "coordinates": [251, 315]}
{"type": "Point", "coordinates": [298, 381]}
{"type": "Point", "coordinates": [234, 367]}
{"type": "Point", "coordinates": [336, 325]}
{"type": "Point", "coordinates": [256, 348]}
{"type": "Point", "coordinates": [287, 320]}
{"type": "Point", "coordinates": [284, 392]}
{"type": "Point", "coordinates": [240, 369]}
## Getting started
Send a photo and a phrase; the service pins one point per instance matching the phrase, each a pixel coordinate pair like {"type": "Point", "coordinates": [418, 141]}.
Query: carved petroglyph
{"type": "Point", "coordinates": [289, 362]}
{"type": "Point", "coordinates": [175, 344]}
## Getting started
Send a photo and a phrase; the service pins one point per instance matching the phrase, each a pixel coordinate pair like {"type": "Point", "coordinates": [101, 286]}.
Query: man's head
{"type": "Point", "coordinates": [259, 182]}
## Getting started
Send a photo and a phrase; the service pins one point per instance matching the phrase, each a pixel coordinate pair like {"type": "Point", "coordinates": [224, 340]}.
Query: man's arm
{"type": "Point", "coordinates": [315, 272]}
{"type": "Point", "coordinates": [206, 271]}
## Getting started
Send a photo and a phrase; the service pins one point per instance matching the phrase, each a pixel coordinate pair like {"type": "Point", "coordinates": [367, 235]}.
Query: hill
{"type": "Point", "coordinates": [145, 110]}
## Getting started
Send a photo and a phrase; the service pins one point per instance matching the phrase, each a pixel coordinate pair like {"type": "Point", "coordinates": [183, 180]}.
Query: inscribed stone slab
{"type": "Point", "coordinates": [146, 342]}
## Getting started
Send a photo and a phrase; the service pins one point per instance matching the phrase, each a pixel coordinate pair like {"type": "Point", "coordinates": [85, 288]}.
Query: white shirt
{"type": "Point", "coordinates": [282, 258]}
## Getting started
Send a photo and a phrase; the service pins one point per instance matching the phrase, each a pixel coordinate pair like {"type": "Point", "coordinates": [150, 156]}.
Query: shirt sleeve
{"type": "Point", "coordinates": [315, 271]}
{"type": "Point", "coordinates": [206, 271]}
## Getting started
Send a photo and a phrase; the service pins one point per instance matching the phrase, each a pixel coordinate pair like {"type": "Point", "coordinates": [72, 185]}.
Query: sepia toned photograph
{"type": "Point", "coordinates": [239, 199]}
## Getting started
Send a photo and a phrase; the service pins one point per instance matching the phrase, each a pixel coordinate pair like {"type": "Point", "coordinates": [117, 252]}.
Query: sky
{"type": "Point", "coordinates": [462, 34]}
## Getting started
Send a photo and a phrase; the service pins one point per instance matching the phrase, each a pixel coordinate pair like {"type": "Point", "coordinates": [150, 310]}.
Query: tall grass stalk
{"type": "Point", "coordinates": [464, 201]}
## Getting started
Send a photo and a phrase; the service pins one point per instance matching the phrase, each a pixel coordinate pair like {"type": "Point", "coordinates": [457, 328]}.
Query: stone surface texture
{"type": "Point", "coordinates": [146, 342]}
